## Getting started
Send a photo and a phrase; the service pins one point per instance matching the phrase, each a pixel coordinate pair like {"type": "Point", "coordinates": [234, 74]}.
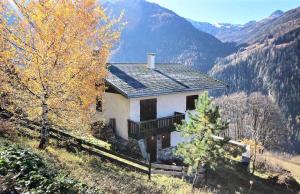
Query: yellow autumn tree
{"type": "Point", "coordinates": [53, 58]}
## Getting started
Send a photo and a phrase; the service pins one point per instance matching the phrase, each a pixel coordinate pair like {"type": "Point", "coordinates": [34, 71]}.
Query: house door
{"type": "Point", "coordinates": [152, 148]}
{"type": "Point", "coordinates": [148, 109]}
{"type": "Point", "coordinates": [166, 140]}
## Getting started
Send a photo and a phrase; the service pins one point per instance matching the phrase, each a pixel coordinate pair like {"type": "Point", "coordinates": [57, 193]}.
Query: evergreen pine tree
{"type": "Point", "coordinates": [203, 148]}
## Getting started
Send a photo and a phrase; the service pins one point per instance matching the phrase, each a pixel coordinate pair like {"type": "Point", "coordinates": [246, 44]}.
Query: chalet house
{"type": "Point", "coordinates": [145, 100]}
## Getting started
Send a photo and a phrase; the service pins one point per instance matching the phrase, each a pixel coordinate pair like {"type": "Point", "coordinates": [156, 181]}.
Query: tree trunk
{"type": "Point", "coordinates": [254, 158]}
{"type": "Point", "coordinates": [194, 178]}
{"type": "Point", "coordinates": [255, 140]}
{"type": "Point", "coordinates": [45, 127]}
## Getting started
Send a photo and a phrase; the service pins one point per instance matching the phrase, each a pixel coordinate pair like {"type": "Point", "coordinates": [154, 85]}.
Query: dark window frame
{"type": "Point", "coordinates": [148, 109]}
{"type": "Point", "coordinates": [191, 102]}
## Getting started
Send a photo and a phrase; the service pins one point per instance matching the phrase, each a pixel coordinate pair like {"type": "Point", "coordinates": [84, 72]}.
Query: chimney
{"type": "Point", "coordinates": [151, 60]}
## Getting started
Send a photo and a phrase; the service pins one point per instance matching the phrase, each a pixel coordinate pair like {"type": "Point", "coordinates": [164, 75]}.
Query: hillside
{"type": "Point", "coordinates": [63, 169]}
{"type": "Point", "coordinates": [151, 28]}
{"type": "Point", "coordinates": [249, 32]}
{"type": "Point", "coordinates": [270, 65]}
{"type": "Point", "coordinates": [59, 169]}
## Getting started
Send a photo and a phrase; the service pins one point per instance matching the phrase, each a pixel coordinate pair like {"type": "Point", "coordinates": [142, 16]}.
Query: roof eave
{"type": "Point", "coordinates": [173, 92]}
{"type": "Point", "coordinates": [116, 88]}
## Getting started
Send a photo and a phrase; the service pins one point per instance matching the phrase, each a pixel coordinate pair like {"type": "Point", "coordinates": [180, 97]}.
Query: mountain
{"type": "Point", "coordinates": [152, 28]}
{"type": "Point", "coordinates": [246, 33]}
{"type": "Point", "coordinates": [276, 14]}
{"type": "Point", "coordinates": [217, 30]}
{"type": "Point", "coordinates": [269, 64]}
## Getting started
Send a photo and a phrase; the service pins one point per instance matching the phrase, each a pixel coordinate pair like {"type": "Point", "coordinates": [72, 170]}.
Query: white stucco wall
{"type": "Point", "coordinates": [176, 136]}
{"type": "Point", "coordinates": [116, 106]}
{"type": "Point", "coordinates": [166, 106]}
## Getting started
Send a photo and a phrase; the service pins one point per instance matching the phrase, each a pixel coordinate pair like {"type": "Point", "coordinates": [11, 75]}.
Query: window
{"type": "Point", "coordinates": [191, 102]}
{"type": "Point", "coordinates": [148, 109]}
{"type": "Point", "coordinates": [99, 104]}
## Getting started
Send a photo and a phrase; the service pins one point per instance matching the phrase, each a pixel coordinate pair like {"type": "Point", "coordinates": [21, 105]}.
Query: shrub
{"type": "Point", "coordinates": [21, 168]}
{"type": "Point", "coordinates": [6, 129]}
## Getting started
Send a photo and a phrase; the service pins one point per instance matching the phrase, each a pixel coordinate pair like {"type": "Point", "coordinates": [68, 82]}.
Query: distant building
{"type": "Point", "coordinates": [145, 100]}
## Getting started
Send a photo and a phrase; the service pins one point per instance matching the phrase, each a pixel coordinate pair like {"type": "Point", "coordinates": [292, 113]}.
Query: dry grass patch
{"type": "Point", "coordinates": [109, 177]}
{"type": "Point", "coordinates": [290, 164]}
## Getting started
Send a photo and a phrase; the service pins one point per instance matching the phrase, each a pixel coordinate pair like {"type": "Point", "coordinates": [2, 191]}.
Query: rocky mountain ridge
{"type": "Point", "coordinates": [152, 28]}
{"type": "Point", "coordinates": [239, 33]}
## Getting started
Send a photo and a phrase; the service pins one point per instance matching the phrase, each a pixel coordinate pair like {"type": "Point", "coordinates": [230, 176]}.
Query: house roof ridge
{"type": "Point", "coordinates": [209, 77]}
{"type": "Point", "coordinates": [136, 80]}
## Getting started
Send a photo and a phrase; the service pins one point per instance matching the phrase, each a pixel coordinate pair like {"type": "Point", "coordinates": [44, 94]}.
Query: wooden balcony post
{"type": "Point", "coordinates": [149, 167]}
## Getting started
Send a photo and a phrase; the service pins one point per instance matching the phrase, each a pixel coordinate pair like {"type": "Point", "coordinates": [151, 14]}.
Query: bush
{"type": "Point", "coordinates": [101, 130]}
{"type": "Point", "coordinates": [6, 129]}
{"type": "Point", "coordinates": [20, 169]}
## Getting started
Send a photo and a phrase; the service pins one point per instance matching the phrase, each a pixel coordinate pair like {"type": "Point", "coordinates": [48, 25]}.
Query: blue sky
{"type": "Point", "coordinates": [230, 11]}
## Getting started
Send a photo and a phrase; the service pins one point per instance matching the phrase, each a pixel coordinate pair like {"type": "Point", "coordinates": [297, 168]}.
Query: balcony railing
{"type": "Point", "coordinates": [143, 129]}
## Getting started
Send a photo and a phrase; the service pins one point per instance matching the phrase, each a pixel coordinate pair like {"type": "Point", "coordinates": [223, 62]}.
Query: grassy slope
{"type": "Point", "coordinates": [106, 176]}
{"type": "Point", "coordinates": [292, 165]}
{"type": "Point", "coordinates": [236, 180]}
{"type": "Point", "coordinates": [113, 179]}
{"type": "Point", "coordinates": [22, 171]}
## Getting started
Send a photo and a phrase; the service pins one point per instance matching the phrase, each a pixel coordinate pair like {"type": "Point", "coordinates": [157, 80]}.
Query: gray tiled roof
{"type": "Point", "coordinates": [136, 80]}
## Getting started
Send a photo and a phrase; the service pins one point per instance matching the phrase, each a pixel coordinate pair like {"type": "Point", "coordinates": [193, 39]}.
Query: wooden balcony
{"type": "Point", "coordinates": [143, 129]}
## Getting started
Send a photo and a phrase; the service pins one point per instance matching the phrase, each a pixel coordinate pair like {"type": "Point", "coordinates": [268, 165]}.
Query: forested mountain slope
{"type": "Point", "coordinates": [270, 65]}
{"type": "Point", "coordinates": [151, 28]}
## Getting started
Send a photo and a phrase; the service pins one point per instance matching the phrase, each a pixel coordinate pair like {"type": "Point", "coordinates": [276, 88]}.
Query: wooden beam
{"type": "Point", "coordinates": [173, 173]}
{"type": "Point", "coordinates": [167, 167]}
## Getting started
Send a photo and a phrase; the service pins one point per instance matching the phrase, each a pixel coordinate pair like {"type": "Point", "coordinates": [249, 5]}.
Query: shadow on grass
{"type": "Point", "coordinates": [136, 182]}
{"type": "Point", "coordinates": [235, 179]}
{"type": "Point", "coordinates": [225, 180]}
